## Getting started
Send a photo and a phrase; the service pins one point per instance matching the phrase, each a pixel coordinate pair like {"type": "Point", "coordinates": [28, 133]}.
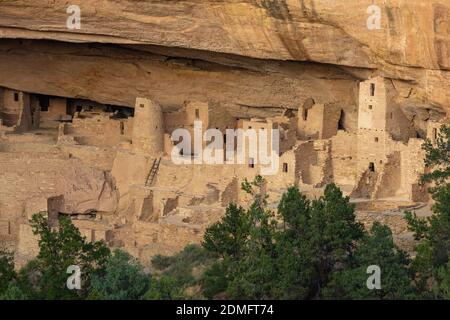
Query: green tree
{"type": "Point", "coordinates": [123, 279]}
{"type": "Point", "coordinates": [332, 233]}
{"type": "Point", "coordinates": [438, 157]}
{"type": "Point", "coordinates": [164, 288]}
{"type": "Point", "coordinates": [320, 236]}
{"type": "Point", "coordinates": [433, 251]}
{"type": "Point", "coordinates": [376, 248]}
{"type": "Point", "coordinates": [294, 252]}
{"type": "Point", "coordinates": [244, 240]}
{"type": "Point", "coordinates": [59, 248]}
{"type": "Point", "coordinates": [7, 273]}
{"type": "Point", "coordinates": [291, 260]}
{"type": "Point", "coordinates": [13, 292]}
{"type": "Point", "coordinates": [228, 236]}
{"type": "Point", "coordinates": [216, 278]}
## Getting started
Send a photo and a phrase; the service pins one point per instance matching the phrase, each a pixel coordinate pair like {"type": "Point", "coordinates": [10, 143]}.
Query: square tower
{"type": "Point", "coordinates": [373, 125]}
{"type": "Point", "coordinates": [373, 105]}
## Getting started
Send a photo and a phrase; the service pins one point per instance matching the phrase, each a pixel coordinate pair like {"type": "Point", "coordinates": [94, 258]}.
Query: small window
{"type": "Point", "coordinates": [285, 167]}
{"type": "Point", "coordinates": [122, 128]}
{"type": "Point", "coordinates": [305, 114]}
{"type": "Point", "coordinates": [44, 103]}
{"type": "Point", "coordinates": [376, 139]}
{"type": "Point", "coordinates": [16, 96]}
{"type": "Point", "coordinates": [372, 167]}
{"type": "Point", "coordinates": [197, 114]}
{"type": "Point", "coordinates": [251, 163]}
{"type": "Point", "coordinates": [372, 89]}
{"type": "Point", "coordinates": [435, 134]}
{"type": "Point", "coordinates": [141, 105]}
{"type": "Point", "coordinates": [370, 107]}
{"type": "Point", "coordinates": [392, 115]}
{"type": "Point", "coordinates": [341, 123]}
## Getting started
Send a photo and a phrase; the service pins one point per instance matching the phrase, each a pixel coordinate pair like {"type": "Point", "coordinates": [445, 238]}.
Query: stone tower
{"type": "Point", "coordinates": [148, 128]}
{"type": "Point", "coordinates": [373, 125]}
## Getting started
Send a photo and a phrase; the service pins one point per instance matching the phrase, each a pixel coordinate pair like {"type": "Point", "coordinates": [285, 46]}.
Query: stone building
{"type": "Point", "coordinates": [386, 141]}
{"type": "Point", "coordinates": [110, 168]}
{"type": "Point", "coordinates": [148, 128]}
{"type": "Point", "coordinates": [319, 121]}
{"type": "Point", "coordinates": [15, 111]}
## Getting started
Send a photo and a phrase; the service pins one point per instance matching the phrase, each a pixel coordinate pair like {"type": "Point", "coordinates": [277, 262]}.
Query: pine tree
{"type": "Point", "coordinates": [433, 251]}
{"type": "Point", "coordinates": [375, 249]}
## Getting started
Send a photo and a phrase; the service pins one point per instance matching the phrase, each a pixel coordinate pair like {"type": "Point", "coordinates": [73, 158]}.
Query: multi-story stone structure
{"type": "Point", "coordinates": [111, 169]}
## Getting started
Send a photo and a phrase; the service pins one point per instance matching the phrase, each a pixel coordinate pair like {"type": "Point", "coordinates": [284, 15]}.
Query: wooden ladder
{"type": "Point", "coordinates": [153, 171]}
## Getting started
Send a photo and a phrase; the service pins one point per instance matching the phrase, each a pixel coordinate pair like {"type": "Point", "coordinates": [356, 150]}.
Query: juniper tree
{"type": "Point", "coordinates": [60, 248]}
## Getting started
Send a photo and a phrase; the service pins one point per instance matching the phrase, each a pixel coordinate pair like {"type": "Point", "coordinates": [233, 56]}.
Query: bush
{"type": "Point", "coordinates": [7, 273]}
{"type": "Point", "coordinates": [123, 279]}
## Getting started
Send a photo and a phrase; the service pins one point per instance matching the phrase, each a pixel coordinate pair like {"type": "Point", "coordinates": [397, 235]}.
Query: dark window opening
{"type": "Point", "coordinates": [370, 107]}
{"type": "Point", "coordinates": [141, 105]}
{"type": "Point", "coordinates": [305, 114]}
{"type": "Point", "coordinates": [372, 89]}
{"type": "Point", "coordinates": [44, 103]}
{"type": "Point", "coordinates": [251, 163]}
{"type": "Point", "coordinates": [197, 114]}
{"type": "Point", "coordinates": [341, 123]}
{"type": "Point", "coordinates": [435, 134]}
{"type": "Point", "coordinates": [16, 96]}
{"type": "Point", "coordinates": [372, 167]}
{"type": "Point", "coordinates": [122, 128]}
{"type": "Point", "coordinates": [376, 139]}
{"type": "Point", "coordinates": [392, 115]}
{"type": "Point", "coordinates": [285, 167]}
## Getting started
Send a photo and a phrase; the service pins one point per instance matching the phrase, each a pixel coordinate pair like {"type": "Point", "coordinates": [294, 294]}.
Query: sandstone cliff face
{"type": "Point", "coordinates": [412, 47]}
{"type": "Point", "coordinates": [414, 33]}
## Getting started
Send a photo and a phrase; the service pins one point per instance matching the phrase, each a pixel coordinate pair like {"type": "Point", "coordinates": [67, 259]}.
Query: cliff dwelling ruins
{"type": "Point", "coordinates": [86, 125]}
